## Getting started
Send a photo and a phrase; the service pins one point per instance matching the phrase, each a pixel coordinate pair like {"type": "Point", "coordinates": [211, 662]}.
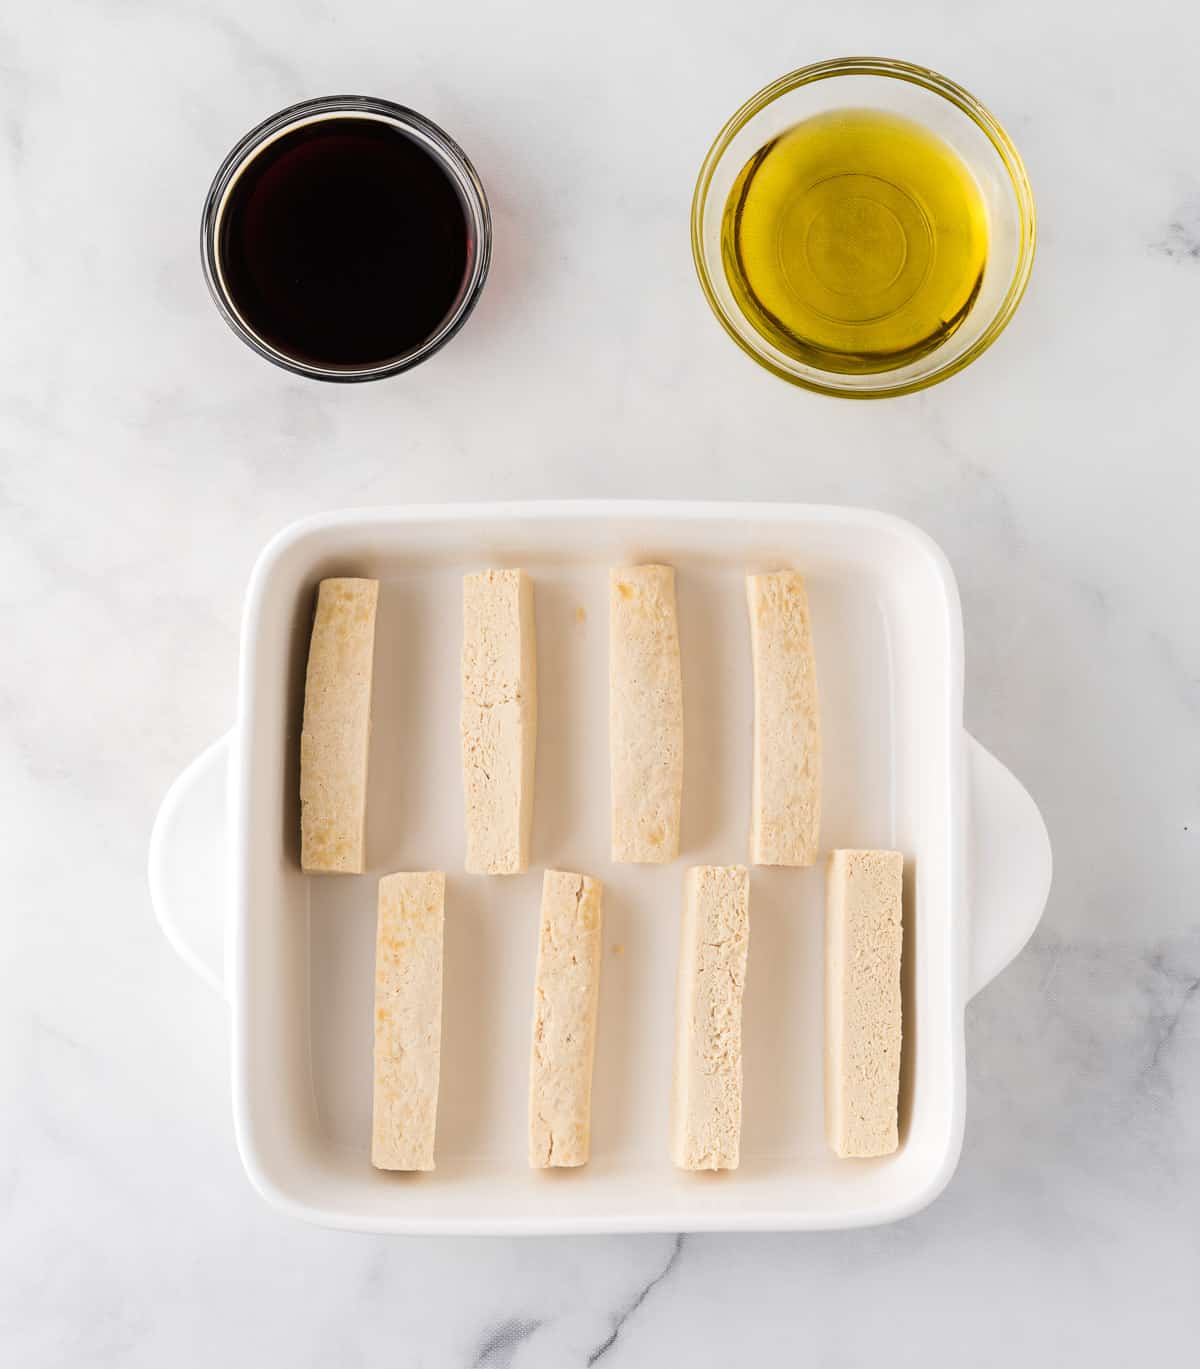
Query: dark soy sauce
{"type": "Point", "coordinates": [345, 243]}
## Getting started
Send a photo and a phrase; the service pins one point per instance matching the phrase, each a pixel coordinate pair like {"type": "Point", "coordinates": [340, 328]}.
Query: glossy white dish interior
{"type": "Point", "coordinates": [897, 771]}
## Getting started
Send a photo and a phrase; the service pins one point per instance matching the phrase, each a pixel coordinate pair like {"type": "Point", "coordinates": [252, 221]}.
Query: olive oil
{"type": "Point", "coordinates": [855, 241]}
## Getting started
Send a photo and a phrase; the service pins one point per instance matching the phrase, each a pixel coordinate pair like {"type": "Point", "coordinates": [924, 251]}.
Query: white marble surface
{"type": "Point", "coordinates": [145, 455]}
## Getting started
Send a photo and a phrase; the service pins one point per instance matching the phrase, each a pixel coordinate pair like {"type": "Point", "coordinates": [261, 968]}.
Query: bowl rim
{"type": "Point", "coordinates": [936, 84]}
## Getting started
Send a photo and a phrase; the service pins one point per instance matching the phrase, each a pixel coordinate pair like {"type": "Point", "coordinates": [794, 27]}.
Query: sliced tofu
{"type": "Point", "coordinates": [337, 728]}
{"type": "Point", "coordinates": [499, 719]}
{"type": "Point", "coordinates": [863, 932]}
{"type": "Point", "coordinates": [408, 1019]}
{"type": "Point", "coordinates": [565, 995]}
{"type": "Point", "coordinates": [706, 1098]}
{"type": "Point", "coordinates": [645, 714]}
{"type": "Point", "coordinates": [785, 815]}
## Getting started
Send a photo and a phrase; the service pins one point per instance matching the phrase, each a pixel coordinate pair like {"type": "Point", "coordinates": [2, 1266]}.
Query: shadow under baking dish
{"type": "Point", "coordinates": [886, 668]}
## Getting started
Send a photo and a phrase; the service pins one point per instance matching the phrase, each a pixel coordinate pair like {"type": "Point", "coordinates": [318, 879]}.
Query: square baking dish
{"type": "Point", "coordinates": [294, 953]}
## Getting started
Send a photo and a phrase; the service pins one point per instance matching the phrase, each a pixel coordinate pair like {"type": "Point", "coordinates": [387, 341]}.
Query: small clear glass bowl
{"type": "Point", "coordinates": [940, 106]}
{"type": "Point", "coordinates": [440, 146]}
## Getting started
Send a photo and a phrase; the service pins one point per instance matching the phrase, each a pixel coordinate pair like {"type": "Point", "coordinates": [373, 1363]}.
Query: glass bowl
{"type": "Point", "coordinates": [937, 104]}
{"type": "Point", "coordinates": [441, 147]}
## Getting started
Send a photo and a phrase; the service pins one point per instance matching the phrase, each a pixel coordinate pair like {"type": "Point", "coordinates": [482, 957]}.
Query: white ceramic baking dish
{"type": "Point", "coordinates": [293, 954]}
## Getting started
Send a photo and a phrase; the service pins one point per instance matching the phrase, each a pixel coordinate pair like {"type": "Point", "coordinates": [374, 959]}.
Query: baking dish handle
{"type": "Point", "coordinates": [188, 864]}
{"type": "Point", "coordinates": [1010, 866]}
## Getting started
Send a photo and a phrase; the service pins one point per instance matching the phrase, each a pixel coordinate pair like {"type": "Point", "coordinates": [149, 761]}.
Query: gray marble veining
{"type": "Point", "coordinates": [1181, 241]}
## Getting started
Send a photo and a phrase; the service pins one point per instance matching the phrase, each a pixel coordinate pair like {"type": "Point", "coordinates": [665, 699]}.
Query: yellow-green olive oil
{"type": "Point", "coordinates": [855, 241]}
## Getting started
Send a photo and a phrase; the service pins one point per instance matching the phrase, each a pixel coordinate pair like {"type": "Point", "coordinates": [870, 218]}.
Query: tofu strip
{"type": "Point", "coordinates": [863, 932]}
{"type": "Point", "coordinates": [337, 727]}
{"type": "Point", "coordinates": [565, 995]}
{"type": "Point", "coordinates": [408, 1019]}
{"type": "Point", "coordinates": [785, 816]}
{"type": "Point", "coordinates": [499, 719]}
{"type": "Point", "coordinates": [645, 714]}
{"type": "Point", "coordinates": [706, 1100]}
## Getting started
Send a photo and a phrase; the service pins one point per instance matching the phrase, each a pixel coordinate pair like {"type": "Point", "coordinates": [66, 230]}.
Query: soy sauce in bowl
{"type": "Point", "coordinates": [346, 246]}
